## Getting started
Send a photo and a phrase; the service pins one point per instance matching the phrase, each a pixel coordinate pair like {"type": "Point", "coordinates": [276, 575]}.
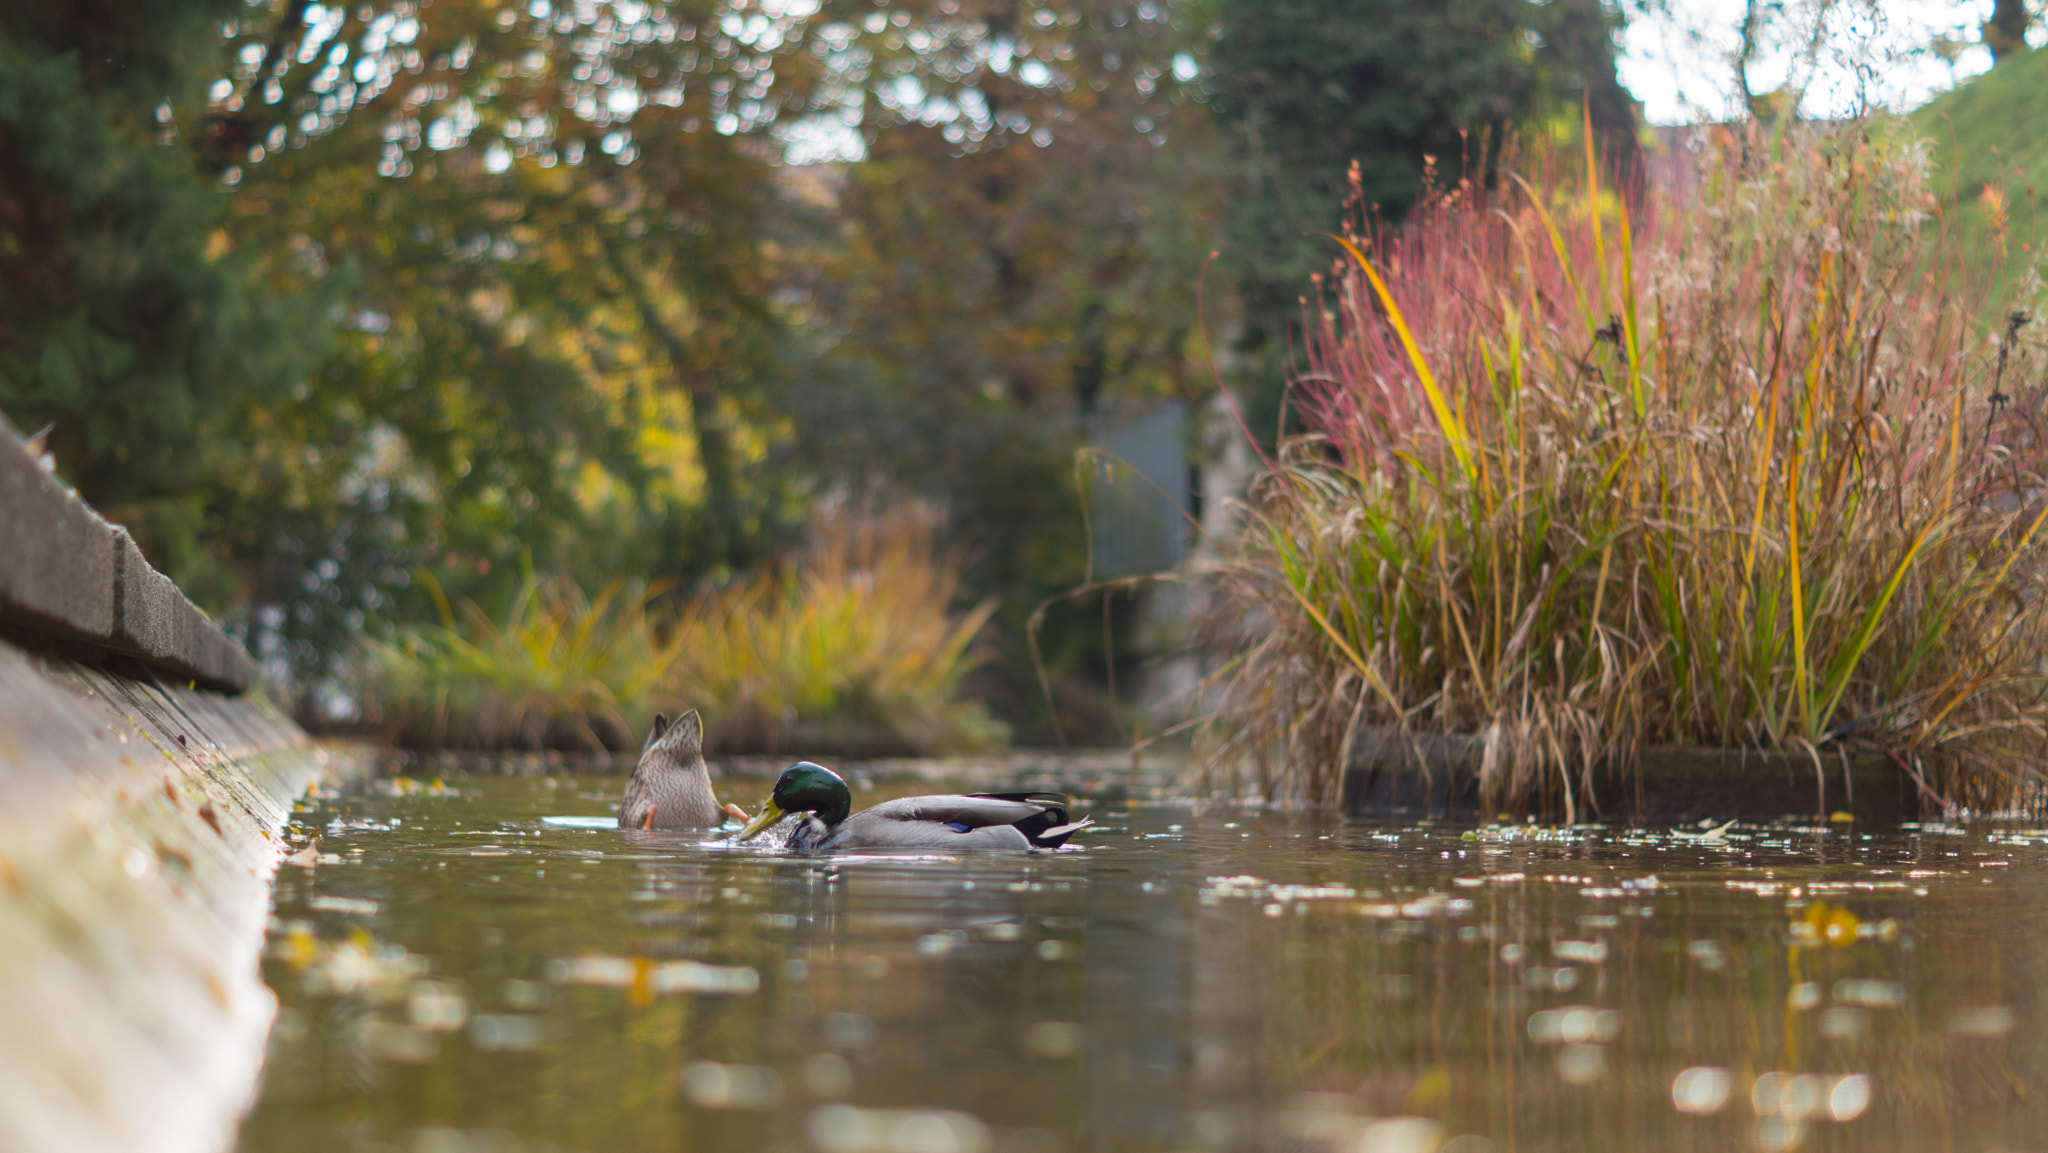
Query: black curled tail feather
{"type": "Point", "coordinates": [1056, 836]}
{"type": "Point", "coordinates": [1049, 827]}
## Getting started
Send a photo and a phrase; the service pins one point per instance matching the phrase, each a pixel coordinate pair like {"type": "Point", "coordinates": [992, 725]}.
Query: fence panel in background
{"type": "Point", "coordinates": [1138, 499]}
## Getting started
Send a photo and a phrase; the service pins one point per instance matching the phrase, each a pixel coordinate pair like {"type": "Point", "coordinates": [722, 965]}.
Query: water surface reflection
{"type": "Point", "coordinates": [458, 974]}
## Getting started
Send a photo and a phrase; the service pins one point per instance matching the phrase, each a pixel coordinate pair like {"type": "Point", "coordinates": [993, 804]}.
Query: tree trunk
{"type": "Point", "coordinates": [2006, 32]}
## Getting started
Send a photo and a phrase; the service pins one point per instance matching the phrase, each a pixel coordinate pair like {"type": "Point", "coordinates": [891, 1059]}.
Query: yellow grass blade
{"type": "Point", "coordinates": [1447, 421]}
{"type": "Point", "coordinates": [1557, 246]}
{"type": "Point", "coordinates": [1630, 326]}
{"type": "Point", "coordinates": [1593, 200]}
{"type": "Point", "coordinates": [1798, 578]}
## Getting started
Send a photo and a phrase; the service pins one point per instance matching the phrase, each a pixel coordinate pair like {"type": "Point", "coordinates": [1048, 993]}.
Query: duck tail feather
{"type": "Point", "coordinates": [1056, 836]}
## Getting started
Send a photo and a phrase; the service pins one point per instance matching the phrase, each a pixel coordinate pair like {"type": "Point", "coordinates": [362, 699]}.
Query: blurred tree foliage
{"type": "Point", "coordinates": [1017, 254]}
{"type": "Point", "coordinates": [129, 326]}
{"type": "Point", "coordinates": [1310, 87]}
{"type": "Point", "coordinates": [560, 335]}
{"type": "Point", "coordinates": [316, 295]}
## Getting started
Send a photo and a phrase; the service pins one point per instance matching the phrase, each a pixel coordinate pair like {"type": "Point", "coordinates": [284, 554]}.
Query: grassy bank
{"type": "Point", "coordinates": [1738, 461]}
{"type": "Point", "coordinates": [851, 648]}
{"type": "Point", "coordinates": [1984, 149]}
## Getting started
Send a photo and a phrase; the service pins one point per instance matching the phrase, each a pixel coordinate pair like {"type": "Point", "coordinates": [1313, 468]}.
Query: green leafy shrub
{"type": "Point", "coordinates": [852, 648]}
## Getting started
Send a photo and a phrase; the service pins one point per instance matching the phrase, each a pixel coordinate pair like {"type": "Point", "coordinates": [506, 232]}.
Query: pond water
{"type": "Point", "coordinates": [459, 973]}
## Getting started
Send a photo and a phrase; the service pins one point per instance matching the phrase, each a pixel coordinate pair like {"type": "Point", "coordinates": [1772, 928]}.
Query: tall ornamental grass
{"type": "Point", "coordinates": [856, 639]}
{"type": "Point", "coordinates": [1735, 460]}
{"type": "Point", "coordinates": [853, 644]}
{"type": "Point", "coordinates": [559, 669]}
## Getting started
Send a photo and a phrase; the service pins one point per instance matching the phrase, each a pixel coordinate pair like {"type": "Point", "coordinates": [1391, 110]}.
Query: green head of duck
{"type": "Point", "coordinates": [803, 787]}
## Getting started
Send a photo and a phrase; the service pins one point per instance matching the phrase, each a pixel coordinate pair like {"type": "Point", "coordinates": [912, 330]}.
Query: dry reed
{"type": "Point", "coordinates": [1730, 461]}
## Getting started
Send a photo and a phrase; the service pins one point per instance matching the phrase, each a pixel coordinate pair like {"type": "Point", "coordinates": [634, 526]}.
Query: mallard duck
{"type": "Point", "coordinates": [953, 821]}
{"type": "Point", "coordinates": [671, 786]}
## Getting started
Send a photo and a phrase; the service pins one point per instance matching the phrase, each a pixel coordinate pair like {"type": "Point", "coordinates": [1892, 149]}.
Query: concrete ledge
{"type": "Point", "coordinates": [69, 576]}
{"type": "Point", "coordinates": [139, 833]}
{"type": "Point", "coordinates": [56, 555]}
{"type": "Point", "coordinates": [1438, 775]}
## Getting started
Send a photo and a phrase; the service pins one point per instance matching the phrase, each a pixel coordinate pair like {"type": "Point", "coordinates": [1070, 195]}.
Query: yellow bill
{"type": "Point", "coordinates": [769, 814]}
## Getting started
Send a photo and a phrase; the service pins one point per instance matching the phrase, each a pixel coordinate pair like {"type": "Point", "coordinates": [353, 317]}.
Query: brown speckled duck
{"type": "Point", "coordinates": [671, 786]}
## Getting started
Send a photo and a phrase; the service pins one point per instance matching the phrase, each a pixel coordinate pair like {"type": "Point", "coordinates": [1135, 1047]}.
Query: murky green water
{"type": "Point", "coordinates": [458, 976]}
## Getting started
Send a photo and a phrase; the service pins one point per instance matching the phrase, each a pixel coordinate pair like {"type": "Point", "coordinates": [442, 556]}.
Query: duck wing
{"type": "Point", "coordinates": [963, 820]}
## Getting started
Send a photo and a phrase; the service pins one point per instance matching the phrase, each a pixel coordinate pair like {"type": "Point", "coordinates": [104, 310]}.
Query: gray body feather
{"type": "Point", "coordinates": [949, 822]}
{"type": "Point", "coordinates": [671, 786]}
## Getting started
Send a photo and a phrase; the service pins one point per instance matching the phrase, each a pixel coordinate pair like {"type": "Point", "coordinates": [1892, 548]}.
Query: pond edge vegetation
{"type": "Point", "coordinates": [1745, 457]}
{"type": "Point", "coordinates": [853, 646]}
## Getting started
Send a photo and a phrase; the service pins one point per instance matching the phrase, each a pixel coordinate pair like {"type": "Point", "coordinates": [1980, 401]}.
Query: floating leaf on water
{"type": "Point", "coordinates": [383, 1040]}
{"type": "Point", "coordinates": [845, 1129]}
{"type": "Point", "coordinates": [1774, 1134]}
{"type": "Point", "coordinates": [1581, 1064]}
{"type": "Point", "coordinates": [1981, 1021]}
{"type": "Point", "coordinates": [1575, 1024]}
{"type": "Point", "coordinates": [294, 944]}
{"type": "Point", "coordinates": [1717, 833]}
{"type": "Point", "coordinates": [696, 977]}
{"type": "Point", "coordinates": [1400, 1135]}
{"type": "Point", "coordinates": [1589, 952]}
{"type": "Point", "coordinates": [351, 906]}
{"type": "Point", "coordinates": [639, 973]}
{"type": "Point", "coordinates": [1053, 1039]}
{"type": "Point", "coordinates": [1849, 1097]}
{"type": "Point", "coordinates": [1872, 993]}
{"type": "Point", "coordinates": [1031, 1140]}
{"type": "Point", "coordinates": [1701, 1089]}
{"type": "Point", "coordinates": [827, 1075]}
{"type": "Point", "coordinates": [1564, 978]}
{"type": "Point", "coordinates": [850, 1030]}
{"type": "Point", "coordinates": [1794, 1096]}
{"type": "Point", "coordinates": [522, 994]}
{"type": "Point", "coordinates": [581, 822]}
{"type": "Point", "coordinates": [712, 1085]}
{"type": "Point", "coordinates": [436, 1139]}
{"type": "Point", "coordinates": [1827, 924]}
{"type": "Point", "coordinates": [1843, 1023]}
{"type": "Point", "coordinates": [436, 1006]}
{"type": "Point", "coordinates": [506, 1032]}
{"type": "Point", "coordinates": [941, 943]}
